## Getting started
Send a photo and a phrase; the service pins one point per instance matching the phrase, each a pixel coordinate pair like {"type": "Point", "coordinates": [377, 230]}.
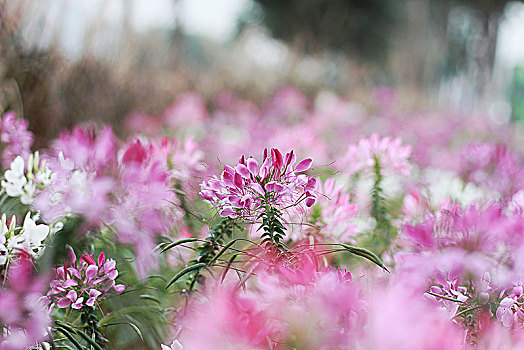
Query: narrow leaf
{"type": "Point", "coordinates": [185, 271]}
{"type": "Point", "coordinates": [222, 251]}
{"type": "Point", "coordinates": [174, 244]}
{"type": "Point", "coordinates": [89, 340]}
{"type": "Point", "coordinates": [229, 263]}
{"type": "Point", "coordinates": [70, 337]}
{"type": "Point", "coordinates": [365, 254]}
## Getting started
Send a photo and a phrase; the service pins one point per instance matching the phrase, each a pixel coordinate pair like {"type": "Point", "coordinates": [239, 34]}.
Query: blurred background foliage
{"type": "Point", "coordinates": [66, 62]}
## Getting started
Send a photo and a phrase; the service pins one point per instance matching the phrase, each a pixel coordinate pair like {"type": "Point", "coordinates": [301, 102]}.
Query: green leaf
{"type": "Point", "coordinates": [70, 337]}
{"type": "Point", "coordinates": [185, 271]}
{"type": "Point", "coordinates": [89, 340]}
{"type": "Point", "coordinates": [136, 329]}
{"type": "Point", "coordinates": [174, 244]}
{"type": "Point", "coordinates": [365, 254]}
{"type": "Point", "coordinates": [229, 263]}
{"type": "Point", "coordinates": [222, 251]}
{"type": "Point", "coordinates": [150, 297]}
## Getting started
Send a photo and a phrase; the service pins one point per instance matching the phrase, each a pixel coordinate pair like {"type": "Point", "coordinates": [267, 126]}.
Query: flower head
{"type": "Point", "coordinates": [392, 155]}
{"type": "Point", "coordinates": [82, 283]}
{"type": "Point", "coordinates": [250, 187]}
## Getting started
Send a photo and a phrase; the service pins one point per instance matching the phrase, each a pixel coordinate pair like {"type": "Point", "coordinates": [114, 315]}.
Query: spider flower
{"type": "Point", "coordinates": [250, 188]}
{"type": "Point", "coordinates": [15, 138]}
{"type": "Point", "coordinates": [84, 282]}
{"type": "Point", "coordinates": [392, 155]}
{"type": "Point", "coordinates": [23, 315]}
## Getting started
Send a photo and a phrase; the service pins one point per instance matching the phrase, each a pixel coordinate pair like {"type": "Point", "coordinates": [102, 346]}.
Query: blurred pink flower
{"type": "Point", "coordinates": [16, 139]}
{"type": "Point", "coordinates": [398, 320]}
{"type": "Point", "coordinates": [392, 155]}
{"type": "Point", "coordinates": [23, 314]}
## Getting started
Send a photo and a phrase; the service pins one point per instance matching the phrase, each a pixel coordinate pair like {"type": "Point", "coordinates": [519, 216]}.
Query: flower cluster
{"type": "Point", "coordinates": [129, 189]}
{"type": "Point", "coordinates": [390, 153]}
{"type": "Point", "coordinates": [21, 181]}
{"type": "Point", "coordinates": [249, 188]}
{"type": "Point", "coordinates": [84, 282]}
{"type": "Point", "coordinates": [26, 240]}
{"type": "Point", "coordinates": [298, 305]}
{"type": "Point", "coordinates": [16, 139]}
{"type": "Point", "coordinates": [23, 316]}
{"type": "Point", "coordinates": [511, 311]}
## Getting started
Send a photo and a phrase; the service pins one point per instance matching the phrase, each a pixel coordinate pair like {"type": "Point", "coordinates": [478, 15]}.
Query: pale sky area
{"type": "Point", "coordinates": [212, 19]}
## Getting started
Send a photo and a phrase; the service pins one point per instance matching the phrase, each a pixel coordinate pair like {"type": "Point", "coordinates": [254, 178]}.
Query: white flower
{"type": "Point", "coordinates": [44, 176]}
{"type": "Point", "coordinates": [30, 238]}
{"type": "Point", "coordinates": [174, 346]}
{"type": "Point", "coordinates": [15, 179]}
{"type": "Point", "coordinates": [18, 184]}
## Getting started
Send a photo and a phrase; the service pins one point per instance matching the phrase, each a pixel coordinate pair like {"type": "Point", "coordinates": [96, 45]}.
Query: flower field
{"type": "Point", "coordinates": [295, 223]}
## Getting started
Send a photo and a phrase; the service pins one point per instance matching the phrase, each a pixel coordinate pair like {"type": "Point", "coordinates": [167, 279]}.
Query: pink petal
{"type": "Point", "coordinates": [119, 288]}
{"type": "Point", "coordinates": [290, 158]}
{"type": "Point", "coordinates": [93, 293]}
{"type": "Point", "coordinates": [278, 161]}
{"type": "Point", "coordinates": [304, 165]}
{"type": "Point", "coordinates": [310, 201]}
{"type": "Point", "coordinates": [242, 170]}
{"type": "Point", "coordinates": [71, 295]}
{"type": "Point", "coordinates": [78, 304]}
{"type": "Point", "coordinates": [70, 283]}
{"type": "Point", "coordinates": [63, 303]}
{"type": "Point", "coordinates": [91, 272]}
{"type": "Point", "coordinates": [252, 165]}
{"type": "Point", "coordinates": [101, 259]}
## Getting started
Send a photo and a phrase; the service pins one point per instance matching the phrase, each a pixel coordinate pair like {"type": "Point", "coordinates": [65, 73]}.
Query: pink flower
{"type": "Point", "coordinates": [84, 279]}
{"type": "Point", "coordinates": [391, 154]}
{"type": "Point", "coordinates": [280, 304]}
{"type": "Point", "coordinates": [23, 315]}
{"type": "Point", "coordinates": [336, 213]}
{"type": "Point", "coordinates": [399, 320]}
{"type": "Point", "coordinates": [247, 188]}
{"type": "Point", "coordinates": [16, 139]}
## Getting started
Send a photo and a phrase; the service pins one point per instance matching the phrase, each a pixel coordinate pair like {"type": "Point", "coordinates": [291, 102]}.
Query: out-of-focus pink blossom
{"type": "Point", "coordinates": [391, 154]}
{"type": "Point", "coordinates": [398, 320]}
{"type": "Point", "coordinates": [494, 166]}
{"type": "Point", "coordinates": [282, 304]}
{"type": "Point", "coordinates": [23, 314]}
{"type": "Point", "coordinates": [333, 213]}
{"type": "Point", "coordinates": [16, 139]}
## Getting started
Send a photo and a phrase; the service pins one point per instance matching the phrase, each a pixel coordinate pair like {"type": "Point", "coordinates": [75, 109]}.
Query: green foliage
{"type": "Point", "coordinates": [364, 253]}
{"type": "Point", "coordinates": [207, 252]}
{"type": "Point", "coordinates": [384, 230]}
{"type": "Point", "coordinates": [273, 229]}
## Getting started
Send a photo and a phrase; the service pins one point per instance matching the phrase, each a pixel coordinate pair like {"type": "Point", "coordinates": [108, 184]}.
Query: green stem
{"type": "Point", "coordinates": [466, 311]}
{"type": "Point", "coordinates": [444, 297]}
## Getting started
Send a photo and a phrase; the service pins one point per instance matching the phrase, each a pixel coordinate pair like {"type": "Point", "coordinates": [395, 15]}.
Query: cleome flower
{"type": "Point", "coordinates": [250, 188]}
{"type": "Point", "coordinates": [511, 311]}
{"type": "Point", "coordinates": [24, 319]}
{"type": "Point", "coordinates": [392, 155]}
{"type": "Point", "coordinates": [83, 283]}
{"type": "Point", "coordinates": [15, 139]}
{"type": "Point", "coordinates": [23, 180]}
{"type": "Point", "coordinates": [24, 241]}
